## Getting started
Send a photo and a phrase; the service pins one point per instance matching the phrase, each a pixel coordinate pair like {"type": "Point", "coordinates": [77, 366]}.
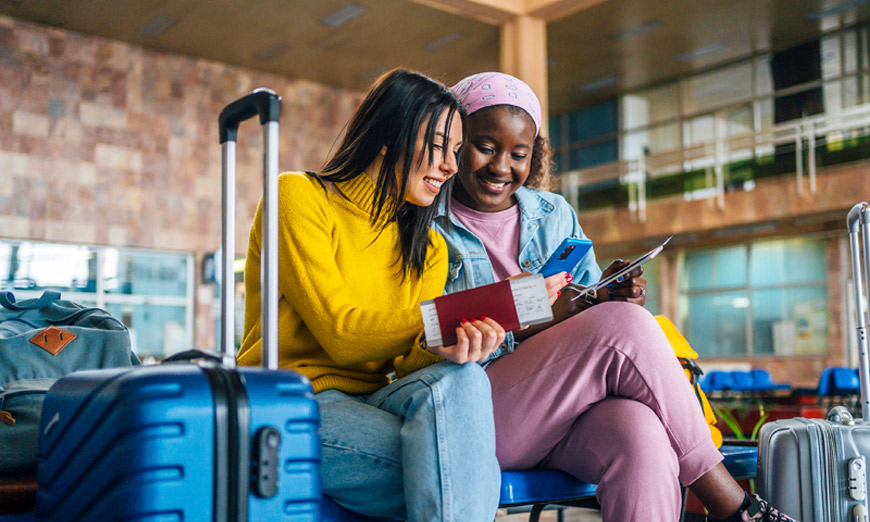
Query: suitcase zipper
{"type": "Point", "coordinates": [231, 451]}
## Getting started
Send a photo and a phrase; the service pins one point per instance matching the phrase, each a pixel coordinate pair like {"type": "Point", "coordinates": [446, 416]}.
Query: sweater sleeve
{"type": "Point", "coordinates": [312, 283]}
{"type": "Point", "coordinates": [434, 279]}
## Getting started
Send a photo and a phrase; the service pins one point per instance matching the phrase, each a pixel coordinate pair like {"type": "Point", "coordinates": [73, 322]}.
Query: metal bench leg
{"type": "Point", "coordinates": [535, 513]}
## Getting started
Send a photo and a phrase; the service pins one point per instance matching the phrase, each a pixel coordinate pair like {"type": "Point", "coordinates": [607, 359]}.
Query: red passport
{"type": "Point", "coordinates": [512, 303]}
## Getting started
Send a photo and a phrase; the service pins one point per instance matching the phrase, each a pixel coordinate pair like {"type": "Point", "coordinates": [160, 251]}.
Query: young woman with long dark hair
{"type": "Point", "coordinates": [356, 258]}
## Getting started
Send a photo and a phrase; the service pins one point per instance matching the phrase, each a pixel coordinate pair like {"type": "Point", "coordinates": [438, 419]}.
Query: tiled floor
{"type": "Point", "coordinates": [571, 515]}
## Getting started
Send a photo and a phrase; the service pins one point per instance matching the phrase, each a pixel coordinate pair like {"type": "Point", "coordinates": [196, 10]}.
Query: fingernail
{"type": "Point", "coordinates": [610, 285]}
{"type": "Point", "coordinates": [558, 294]}
{"type": "Point", "coordinates": [568, 278]}
{"type": "Point", "coordinates": [620, 279]}
{"type": "Point", "coordinates": [482, 318]}
{"type": "Point", "coordinates": [464, 320]}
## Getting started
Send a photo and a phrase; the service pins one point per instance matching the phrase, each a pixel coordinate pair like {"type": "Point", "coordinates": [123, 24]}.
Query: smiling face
{"type": "Point", "coordinates": [498, 158]}
{"type": "Point", "coordinates": [429, 173]}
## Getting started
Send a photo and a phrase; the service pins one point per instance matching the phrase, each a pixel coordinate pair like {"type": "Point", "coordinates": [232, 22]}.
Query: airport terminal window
{"type": "Point", "coordinates": [719, 110]}
{"type": "Point", "coordinates": [151, 292]}
{"type": "Point", "coordinates": [763, 298]}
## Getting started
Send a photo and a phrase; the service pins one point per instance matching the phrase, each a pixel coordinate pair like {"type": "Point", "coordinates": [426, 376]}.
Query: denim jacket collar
{"type": "Point", "coordinates": [532, 207]}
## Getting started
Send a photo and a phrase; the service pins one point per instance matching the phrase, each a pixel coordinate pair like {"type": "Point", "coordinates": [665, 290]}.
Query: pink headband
{"type": "Point", "coordinates": [493, 88]}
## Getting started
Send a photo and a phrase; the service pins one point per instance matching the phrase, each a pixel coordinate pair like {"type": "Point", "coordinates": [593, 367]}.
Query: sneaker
{"type": "Point", "coordinates": [755, 509]}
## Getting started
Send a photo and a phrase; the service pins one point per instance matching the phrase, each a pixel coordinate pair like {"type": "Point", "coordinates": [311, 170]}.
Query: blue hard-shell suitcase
{"type": "Point", "coordinates": [195, 438]}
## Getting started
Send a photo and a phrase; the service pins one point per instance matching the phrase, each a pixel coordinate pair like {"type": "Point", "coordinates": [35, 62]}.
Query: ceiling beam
{"type": "Point", "coordinates": [498, 12]}
{"type": "Point", "coordinates": [495, 12]}
{"type": "Point", "coordinates": [551, 10]}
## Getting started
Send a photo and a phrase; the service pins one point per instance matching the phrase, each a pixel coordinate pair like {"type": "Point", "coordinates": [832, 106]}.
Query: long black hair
{"type": "Point", "coordinates": [390, 118]}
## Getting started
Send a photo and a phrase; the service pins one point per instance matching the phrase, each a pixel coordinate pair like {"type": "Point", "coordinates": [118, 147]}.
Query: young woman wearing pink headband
{"type": "Point", "coordinates": [597, 392]}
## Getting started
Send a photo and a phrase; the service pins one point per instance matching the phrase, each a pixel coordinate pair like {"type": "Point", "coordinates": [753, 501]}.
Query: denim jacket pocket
{"type": "Point", "coordinates": [454, 266]}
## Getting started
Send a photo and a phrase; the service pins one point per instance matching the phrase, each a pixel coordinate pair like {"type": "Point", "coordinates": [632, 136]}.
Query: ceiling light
{"type": "Point", "coordinates": [637, 30]}
{"type": "Point", "coordinates": [701, 51]}
{"type": "Point", "coordinates": [158, 25]}
{"type": "Point", "coordinates": [343, 15]}
{"type": "Point", "coordinates": [441, 42]}
{"type": "Point", "coordinates": [845, 6]}
{"type": "Point", "coordinates": [599, 83]}
{"type": "Point", "coordinates": [271, 52]}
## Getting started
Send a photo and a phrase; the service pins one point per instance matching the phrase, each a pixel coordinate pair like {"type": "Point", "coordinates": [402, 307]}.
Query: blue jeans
{"type": "Point", "coordinates": [422, 448]}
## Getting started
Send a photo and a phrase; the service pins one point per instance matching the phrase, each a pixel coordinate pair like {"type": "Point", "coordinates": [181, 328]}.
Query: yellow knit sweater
{"type": "Point", "coordinates": [345, 317]}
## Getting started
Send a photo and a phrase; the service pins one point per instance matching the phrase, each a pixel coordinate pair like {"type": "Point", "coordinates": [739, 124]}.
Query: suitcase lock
{"type": "Point", "coordinates": [264, 479]}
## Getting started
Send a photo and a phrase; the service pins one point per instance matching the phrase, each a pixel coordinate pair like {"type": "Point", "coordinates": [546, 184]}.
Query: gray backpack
{"type": "Point", "coordinates": [42, 340]}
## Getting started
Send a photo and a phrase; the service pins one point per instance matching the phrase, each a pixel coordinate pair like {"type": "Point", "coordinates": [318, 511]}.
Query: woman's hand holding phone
{"type": "Point", "coordinates": [477, 338]}
{"type": "Point", "coordinates": [631, 288]}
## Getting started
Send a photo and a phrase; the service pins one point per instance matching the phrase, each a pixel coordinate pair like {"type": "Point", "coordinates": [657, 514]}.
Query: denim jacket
{"type": "Point", "coordinates": [545, 220]}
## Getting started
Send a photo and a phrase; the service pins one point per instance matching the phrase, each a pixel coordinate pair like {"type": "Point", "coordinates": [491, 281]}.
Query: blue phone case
{"type": "Point", "coordinates": [566, 257]}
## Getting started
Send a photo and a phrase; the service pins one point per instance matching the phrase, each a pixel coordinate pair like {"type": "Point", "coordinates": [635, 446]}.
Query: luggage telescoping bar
{"type": "Point", "coordinates": [267, 105]}
{"type": "Point", "coordinates": [859, 218]}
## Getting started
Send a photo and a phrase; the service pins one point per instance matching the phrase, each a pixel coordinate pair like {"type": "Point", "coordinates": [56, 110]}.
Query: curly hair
{"type": "Point", "coordinates": [542, 157]}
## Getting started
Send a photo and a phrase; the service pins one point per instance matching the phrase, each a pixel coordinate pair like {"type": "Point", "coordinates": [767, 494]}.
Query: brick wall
{"type": "Point", "coordinates": [105, 143]}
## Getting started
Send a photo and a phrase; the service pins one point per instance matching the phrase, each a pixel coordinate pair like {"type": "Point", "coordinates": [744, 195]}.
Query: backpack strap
{"type": "Point", "coordinates": [49, 297]}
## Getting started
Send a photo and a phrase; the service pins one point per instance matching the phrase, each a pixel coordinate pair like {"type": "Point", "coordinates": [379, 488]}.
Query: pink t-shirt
{"type": "Point", "coordinates": [500, 233]}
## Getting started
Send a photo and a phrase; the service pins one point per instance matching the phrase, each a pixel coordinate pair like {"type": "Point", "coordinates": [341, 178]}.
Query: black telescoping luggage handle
{"type": "Point", "coordinates": [268, 105]}
{"type": "Point", "coordinates": [261, 101]}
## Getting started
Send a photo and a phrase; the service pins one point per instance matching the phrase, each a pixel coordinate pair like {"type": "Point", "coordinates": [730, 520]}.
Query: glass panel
{"type": "Point", "coordinates": [790, 321]}
{"type": "Point", "coordinates": [715, 325]}
{"type": "Point", "coordinates": [740, 121]}
{"type": "Point", "coordinates": [658, 139]}
{"type": "Point", "coordinates": [830, 49]}
{"type": "Point", "coordinates": [710, 269]}
{"type": "Point", "coordinates": [833, 99]}
{"type": "Point", "coordinates": [850, 51]}
{"type": "Point", "coordinates": [156, 331]}
{"type": "Point", "coordinates": [763, 78]}
{"type": "Point", "coordinates": [634, 144]}
{"type": "Point", "coordinates": [650, 106]}
{"type": "Point", "coordinates": [35, 266]}
{"type": "Point", "coordinates": [765, 113]}
{"type": "Point", "coordinates": [851, 94]}
{"type": "Point", "coordinates": [583, 157]}
{"type": "Point", "coordinates": [718, 88]}
{"type": "Point", "coordinates": [699, 130]}
{"type": "Point", "coordinates": [130, 272]}
{"type": "Point", "coordinates": [598, 120]}
{"type": "Point", "coordinates": [664, 138]}
{"type": "Point", "coordinates": [787, 262]}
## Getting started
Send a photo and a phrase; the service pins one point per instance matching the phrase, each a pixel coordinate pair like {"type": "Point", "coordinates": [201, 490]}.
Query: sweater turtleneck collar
{"type": "Point", "coordinates": [361, 192]}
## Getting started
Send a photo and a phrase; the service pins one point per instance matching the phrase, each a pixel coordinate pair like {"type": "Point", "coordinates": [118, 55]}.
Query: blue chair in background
{"type": "Point", "coordinates": [717, 381]}
{"type": "Point", "coordinates": [539, 489]}
{"type": "Point", "coordinates": [762, 381]}
{"type": "Point", "coordinates": [838, 381]}
{"type": "Point", "coordinates": [742, 381]}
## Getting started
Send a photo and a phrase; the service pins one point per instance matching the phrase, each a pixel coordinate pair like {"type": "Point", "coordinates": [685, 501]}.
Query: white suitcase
{"type": "Point", "coordinates": [815, 470]}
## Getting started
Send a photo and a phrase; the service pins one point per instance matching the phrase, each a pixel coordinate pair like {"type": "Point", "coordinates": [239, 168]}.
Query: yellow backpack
{"type": "Point", "coordinates": [687, 355]}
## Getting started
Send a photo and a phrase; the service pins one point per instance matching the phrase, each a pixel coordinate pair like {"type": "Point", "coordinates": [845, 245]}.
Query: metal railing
{"type": "Point", "coordinates": [799, 136]}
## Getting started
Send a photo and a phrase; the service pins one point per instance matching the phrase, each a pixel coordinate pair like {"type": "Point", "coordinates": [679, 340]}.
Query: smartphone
{"type": "Point", "coordinates": [566, 257]}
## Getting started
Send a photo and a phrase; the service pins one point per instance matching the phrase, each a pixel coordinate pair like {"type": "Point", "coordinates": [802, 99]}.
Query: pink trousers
{"type": "Point", "coordinates": [602, 396]}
